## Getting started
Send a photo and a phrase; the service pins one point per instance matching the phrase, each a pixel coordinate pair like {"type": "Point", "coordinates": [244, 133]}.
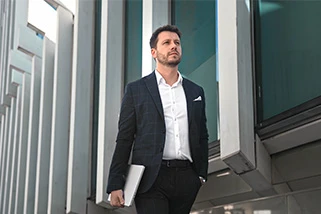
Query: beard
{"type": "Point", "coordinates": [162, 59]}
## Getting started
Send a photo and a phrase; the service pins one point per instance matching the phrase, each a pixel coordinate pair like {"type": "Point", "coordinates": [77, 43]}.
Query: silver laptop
{"type": "Point", "coordinates": [135, 173]}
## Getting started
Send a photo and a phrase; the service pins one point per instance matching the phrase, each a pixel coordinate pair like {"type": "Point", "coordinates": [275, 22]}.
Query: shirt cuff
{"type": "Point", "coordinates": [202, 180]}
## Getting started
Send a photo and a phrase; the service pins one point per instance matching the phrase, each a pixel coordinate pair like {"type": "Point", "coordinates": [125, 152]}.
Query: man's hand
{"type": "Point", "coordinates": [116, 198]}
{"type": "Point", "coordinates": [202, 180]}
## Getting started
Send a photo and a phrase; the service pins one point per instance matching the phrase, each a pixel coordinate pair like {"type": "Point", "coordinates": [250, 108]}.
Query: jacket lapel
{"type": "Point", "coordinates": [188, 95]}
{"type": "Point", "coordinates": [152, 87]}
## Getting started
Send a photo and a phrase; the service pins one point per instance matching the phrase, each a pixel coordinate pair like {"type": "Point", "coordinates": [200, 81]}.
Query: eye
{"type": "Point", "coordinates": [166, 42]}
{"type": "Point", "coordinates": [177, 43]}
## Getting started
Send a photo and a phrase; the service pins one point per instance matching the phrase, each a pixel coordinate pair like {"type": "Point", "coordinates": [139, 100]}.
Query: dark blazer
{"type": "Point", "coordinates": [142, 131]}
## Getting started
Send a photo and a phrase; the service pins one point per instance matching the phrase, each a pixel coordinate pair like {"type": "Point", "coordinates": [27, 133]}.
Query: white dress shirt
{"type": "Point", "coordinates": [176, 119]}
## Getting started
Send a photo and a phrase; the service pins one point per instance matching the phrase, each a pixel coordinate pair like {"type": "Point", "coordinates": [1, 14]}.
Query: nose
{"type": "Point", "coordinates": [174, 46]}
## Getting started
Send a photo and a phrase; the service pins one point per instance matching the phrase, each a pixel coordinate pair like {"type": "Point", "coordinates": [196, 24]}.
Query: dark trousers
{"type": "Point", "coordinates": [173, 192]}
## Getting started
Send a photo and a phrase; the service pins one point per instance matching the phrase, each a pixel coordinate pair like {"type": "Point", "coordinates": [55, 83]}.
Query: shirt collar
{"type": "Point", "coordinates": [160, 79]}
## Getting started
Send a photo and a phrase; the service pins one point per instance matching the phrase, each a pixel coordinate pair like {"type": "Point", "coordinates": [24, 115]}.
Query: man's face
{"type": "Point", "coordinates": [168, 49]}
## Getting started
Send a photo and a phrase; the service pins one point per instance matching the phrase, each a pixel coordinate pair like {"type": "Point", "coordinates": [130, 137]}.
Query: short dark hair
{"type": "Point", "coordinates": [154, 39]}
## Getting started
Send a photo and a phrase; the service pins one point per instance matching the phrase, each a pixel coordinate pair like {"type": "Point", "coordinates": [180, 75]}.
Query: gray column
{"type": "Point", "coordinates": [45, 121]}
{"type": "Point", "coordinates": [81, 108]}
{"type": "Point", "coordinates": [239, 149]}
{"type": "Point", "coordinates": [20, 19]}
{"type": "Point", "coordinates": [235, 88]}
{"type": "Point", "coordinates": [155, 14]}
{"type": "Point", "coordinates": [10, 140]}
{"type": "Point", "coordinates": [29, 198]}
{"type": "Point", "coordinates": [5, 100]}
{"type": "Point", "coordinates": [60, 114]}
{"type": "Point", "coordinates": [260, 179]}
{"type": "Point", "coordinates": [19, 63]}
{"type": "Point", "coordinates": [10, 89]}
{"type": "Point", "coordinates": [4, 158]}
{"type": "Point", "coordinates": [22, 144]}
{"type": "Point", "coordinates": [2, 146]}
{"type": "Point", "coordinates": [2, 119]}
{"type": "Point", "coordinates": [22, 63]}
{"type": "Point", "coordinates": [9, 155]}
{"type": "Point", "coordinates": [1, 137]}
{"type": "Point", "coordinates": [111, 89]}
{"type": "Point", "coordinates": [17, 78]}
{"type": "Point", "coordinates": [2, 46]}
{"type": "Point", "coordinates": [30, 43]}
{"type": "Point", "coordinates": [2, 115]}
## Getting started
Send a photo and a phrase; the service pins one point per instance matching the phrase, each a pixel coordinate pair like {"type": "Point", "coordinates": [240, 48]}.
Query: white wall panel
{"type": "Point", "coordinates": [22, 144]}
{"type": "Point", "coordinates": [9, 159]}
{"type": "Point", "coordinates": [29, 197]}
{"type": "Point", "coordinates": [4, 158]}
{"type": "Point", "coordinates": [81, 108]}
{"type": "Point", "coordinates": [29, 42]}
{"type": "Point", "coordinates": [17, 79]}
{"type": "Point", "coordinates": [2, 147]}
{"type": "Point", "coordinates": [111, 89]}
{"type": "Point", "coordinates": [4, 100]}
{"type": "Point", "coordinates": [20, 20]}
{"type": "Point", "coordinates": [45, 122]}
{"type": "Point", "coordinates": [1, 138]}
{"type": "Point", "coordinates": [60, 113]}
{"type": "Point", "coordinates": [239, 149]}
{"type": "Point", "coordinates": [235, 88]}
{"type": "Point", "coordinates": [10, 90]}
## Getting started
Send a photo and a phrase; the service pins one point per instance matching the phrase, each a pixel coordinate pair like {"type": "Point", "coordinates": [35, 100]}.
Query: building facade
{"type": "Point", "coordinates": [63, 68]}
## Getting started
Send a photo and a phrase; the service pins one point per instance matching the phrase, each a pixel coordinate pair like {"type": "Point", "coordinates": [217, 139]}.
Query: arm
{"type": "Point", "coordinates": [203, 141]}
{"type": "Point", "coordinates": [125, 138]}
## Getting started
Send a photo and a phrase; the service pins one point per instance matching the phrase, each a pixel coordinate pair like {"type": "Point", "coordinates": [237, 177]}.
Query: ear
{"type": "Point", "coordinates": [153, 52]}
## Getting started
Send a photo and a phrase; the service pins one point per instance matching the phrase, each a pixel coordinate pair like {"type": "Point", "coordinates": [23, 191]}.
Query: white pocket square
{"type": "Point", "coordinates": [199, 98]}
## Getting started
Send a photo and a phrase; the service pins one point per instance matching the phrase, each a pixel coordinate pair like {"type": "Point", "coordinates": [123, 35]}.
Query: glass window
{"type": "Point", "coordinates": [95, 98]}
{"type": "Point", "coordinates": [197, 22]}
{"type": "Point", "coordinates": [288, 52]}
{"type": "Point", "coordinates": [133, 40]}
{"type": "Point", "coordinates": [132, 64]}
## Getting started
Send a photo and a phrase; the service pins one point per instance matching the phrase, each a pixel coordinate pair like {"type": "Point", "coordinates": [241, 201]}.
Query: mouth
{"type": "Point", "coordinates": [173, 53]}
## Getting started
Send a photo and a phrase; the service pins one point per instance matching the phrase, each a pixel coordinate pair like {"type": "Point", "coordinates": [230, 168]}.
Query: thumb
{"type": "Point", "coordinates": [121, 199]}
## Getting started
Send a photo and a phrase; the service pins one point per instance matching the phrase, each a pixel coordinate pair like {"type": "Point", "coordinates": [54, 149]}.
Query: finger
{"type": "Point", "coordinates": [121, 200]}
{"type": "Point", "coordinates": [117, 201]}
{"type": "Point", "coordinates": [115, 204]}
{"type": "Point", "coordinates": [113, 201]}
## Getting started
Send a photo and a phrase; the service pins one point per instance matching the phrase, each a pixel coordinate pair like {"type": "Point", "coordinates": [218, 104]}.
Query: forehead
{"type": "Point", "coordinates": [168, 35]}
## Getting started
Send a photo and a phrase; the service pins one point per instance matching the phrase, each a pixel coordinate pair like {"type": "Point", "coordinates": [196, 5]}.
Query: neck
{"type": "Point", "coordinates": [170, 74]}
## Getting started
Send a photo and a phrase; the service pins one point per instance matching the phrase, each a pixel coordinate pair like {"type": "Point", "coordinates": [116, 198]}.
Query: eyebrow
{"type": "Point", "coordinates": [175, 40]}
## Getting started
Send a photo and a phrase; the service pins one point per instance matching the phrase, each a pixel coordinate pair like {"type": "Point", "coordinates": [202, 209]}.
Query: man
{"type": "Point", "coordinates": [162, 121]}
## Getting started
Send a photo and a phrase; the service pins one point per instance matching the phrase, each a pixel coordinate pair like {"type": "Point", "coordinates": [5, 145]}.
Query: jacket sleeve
{"type": "Point", "coordinates": [203, 140]}
{"type": "Point", "coordinates": [124, 141]}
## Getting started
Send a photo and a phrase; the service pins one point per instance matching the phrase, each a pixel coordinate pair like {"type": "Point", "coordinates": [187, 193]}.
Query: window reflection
{"type": "Point", "coordinates": [197, 22]}
{"type": "Point", "coordinates": [289, 53]}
